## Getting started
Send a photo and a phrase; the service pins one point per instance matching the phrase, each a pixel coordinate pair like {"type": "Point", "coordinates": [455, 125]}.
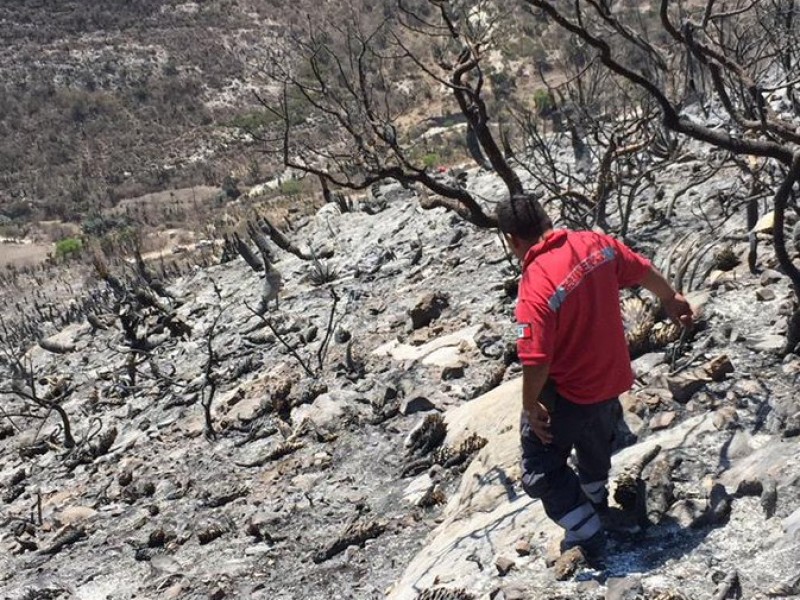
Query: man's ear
{"type": "Point", "coordinates": [515, 243]}
{"type": "Point", "coordinates": [519, 245]}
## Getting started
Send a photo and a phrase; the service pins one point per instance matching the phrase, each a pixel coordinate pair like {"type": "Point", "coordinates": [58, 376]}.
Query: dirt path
{"type": "Point", "coordinates": [23, 255]}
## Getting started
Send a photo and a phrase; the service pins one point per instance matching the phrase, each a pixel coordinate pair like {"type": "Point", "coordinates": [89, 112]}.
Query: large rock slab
{"type": "Point", "coordinates": [442, 351]}
{"type": "Point", "coordinates": [779, 462]}
{"type": "Point", "coordinates": [489, 513]}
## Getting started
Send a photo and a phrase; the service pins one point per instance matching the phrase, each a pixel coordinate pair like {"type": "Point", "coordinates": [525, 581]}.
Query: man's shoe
{"type": "Point", "coordinates": [594, 549]}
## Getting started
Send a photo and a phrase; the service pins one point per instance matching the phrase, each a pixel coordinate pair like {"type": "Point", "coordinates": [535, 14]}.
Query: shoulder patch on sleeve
{"type": "Point", "coordinates": [524, 331]}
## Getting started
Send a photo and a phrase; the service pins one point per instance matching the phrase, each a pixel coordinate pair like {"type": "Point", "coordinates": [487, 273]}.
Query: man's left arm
{"type": "Point", "coordinates": [634, 269]}
{"type": "Point", "coordinates": [675, 305]}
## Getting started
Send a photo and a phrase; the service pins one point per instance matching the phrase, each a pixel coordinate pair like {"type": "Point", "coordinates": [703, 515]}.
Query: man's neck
{"type": "Point", "coordinates": [546, 234]}
{"type": "Point", "coordinates": [528, 244]}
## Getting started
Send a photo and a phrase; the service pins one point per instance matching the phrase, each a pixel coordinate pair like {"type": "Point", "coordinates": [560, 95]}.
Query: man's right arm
{"type": "Point", "coordinates": [534, 378]}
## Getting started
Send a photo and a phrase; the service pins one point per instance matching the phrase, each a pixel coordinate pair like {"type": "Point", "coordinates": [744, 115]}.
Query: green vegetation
{"type": "Point", "coordinates": [431, 160]}
{"type": "Point", "coordinates": [543, 102]}
{"type": "Point", "coordinates": [68, 248]}
{"type": "Point", "coordinates": [253, 120]}
{"type": "Point", "coordinates": [260, 119]}
{"type": "Point", "coordinates": [97, 225]}
{"type": "Point", "coordinates": [292, 187]}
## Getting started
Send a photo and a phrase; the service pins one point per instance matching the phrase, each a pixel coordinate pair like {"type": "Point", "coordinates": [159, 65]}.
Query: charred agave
{"type": "Point", "coordinates": [452, 456]}
{"type": "Point", "coordinates": [725, 259]}
{"type": "Point", "coordinates": [642, 331]}
{"type": "Point", "coordinates": [443, 593]}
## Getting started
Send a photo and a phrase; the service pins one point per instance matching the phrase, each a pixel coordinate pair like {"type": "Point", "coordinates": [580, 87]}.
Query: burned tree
{"type": "Point", "coordinates": [39, 397]}
{"type": "Point", "coordinates": [616, 146]}
{"type": "Point", "coordinates": [353, 83]}
{"type": "Point", "coordinates": [147, 320]}
{"type": "Point", "coordinates": [730, 57]}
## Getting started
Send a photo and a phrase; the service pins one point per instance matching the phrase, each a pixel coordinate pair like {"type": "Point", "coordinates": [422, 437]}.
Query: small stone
{"type": "Point", "coordinates": [791, 428]}
{"type": "Point", "coordinates": [418, 489]}
{"type": "Point", "coordinates": [770, 276]}
{"type": "Point", "coordinates": [740, 445]}
{"type": "Point", "coordinates": [452, 372]}
{"type": "Point", "coordinates": [157, 538]}
{"type": "Point", "coordinates": [725, 418]}
{"type": "Point", "coordinates": [632, 403]}
{"type": "Point", "coordinates": [522, 548]}
{"type": "Point", "coordinates": [769, 498]}
{"type": "Point", "coordinates": [209, 532]}
{"type": "Point", "coordinates": [718, 509]}
{"type": "Point", "coordinates": [514, 593]}
{"type": "Point", "coordinates": [503, 565]}
{"type": "Point", "coordinates": [310, 334]}
{"type": "Point", "coordinates": [687, 511]}
{"type": "Point", "coordinates": [791, 365]}
{"type": "Point", "coordinates": [634, 425]}
{"type": "Point", "coordinates": [568, 563]}
{"type": "Point", "coordinates": [765, 294]}
{"type": "Point", "coordinates": [428, 308]}
{"type": "Point", "coordinates": [748, 387]}
{"type": "Point", "coordinates": [589, 588]}
{"type": "Point", "coordinates": [351, 552]}
{"type": "Point", "coordinates": [552, 552]}
{"type": "Point", "coordinates": [684, 385]}
{"type": "Point", "coordinates": [217, 594]}
{"type": "Point", "coordinates": [414, 403]}
{"type": "Point", "coordinates": [261, 523]}
{"type": "Point", "coordinates": [643, 366]}
{"type": "Point", "coordinates": [173, 592]}
{"type": "Point", "coordinates": [73, 515]}
{"type": "Point", "coordinates": [718, 278]}
{"type": "Point", "coordinates": [662, 420]}
{"type": "Point", "coordinates": [623, 588]}
{"type": "Point", "coordinates": [749, 487]}
{"type": "Point", "coordinates": [768, 342]}
{"type": "Point", "coordinates": [765, 223]}
{"type": "Point", "coordinates": [163, 563]}
{"type": "Point", "coordinates": [258, 549]}
{"type": "Point", "coordinates": [719, 367]}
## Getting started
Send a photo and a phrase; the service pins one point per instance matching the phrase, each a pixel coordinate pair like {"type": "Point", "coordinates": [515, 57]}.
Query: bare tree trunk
{"type": "Point", "coordinates": [779, 239]}
{"type": "Point", "coordinates": [752, 219]}
{"type": "Point", "coordinates": [69, 441]}
{"type": "Point", "coordinates": [785, 261]}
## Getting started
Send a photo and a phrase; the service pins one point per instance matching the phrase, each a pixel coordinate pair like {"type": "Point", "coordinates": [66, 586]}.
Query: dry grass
{"type": "Point", "coordinates": [23, 255]}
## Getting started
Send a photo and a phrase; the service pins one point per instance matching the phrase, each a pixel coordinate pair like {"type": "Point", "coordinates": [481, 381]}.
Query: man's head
{"type": "Point", "coordinates": [523, 221]}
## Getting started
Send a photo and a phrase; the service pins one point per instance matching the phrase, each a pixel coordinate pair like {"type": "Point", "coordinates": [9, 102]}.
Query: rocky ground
{"type": "Point", "coordinates": [313, 484]}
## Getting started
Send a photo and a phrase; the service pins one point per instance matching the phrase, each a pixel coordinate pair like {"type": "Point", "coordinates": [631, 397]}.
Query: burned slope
{"type": "Point", "coordinates": [306, 480]}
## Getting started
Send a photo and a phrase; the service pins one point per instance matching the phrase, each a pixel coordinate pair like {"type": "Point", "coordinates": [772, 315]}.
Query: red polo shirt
{"type": "Point", "coordinates": [568, 313]}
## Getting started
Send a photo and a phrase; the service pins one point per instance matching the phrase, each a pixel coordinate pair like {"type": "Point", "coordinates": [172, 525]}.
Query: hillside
{"type": "Point", "coordinates": [217, 382]}
{"type": "Point", "coordinates": [309, 488]}
{"type": "Point", "coordinates": [110, 100]}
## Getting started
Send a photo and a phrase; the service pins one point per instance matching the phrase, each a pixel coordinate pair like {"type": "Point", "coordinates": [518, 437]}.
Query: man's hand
{"type": "Point", "coordinates": [679, 310]}
{"type": "Point", "coordinates": [539, 420]}
{"type": "Point", "coordinates": [675, 305]}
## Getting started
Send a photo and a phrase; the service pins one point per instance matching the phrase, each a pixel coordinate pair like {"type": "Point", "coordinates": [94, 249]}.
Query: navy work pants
{"type": "Point", "coordinates": [568, 498]}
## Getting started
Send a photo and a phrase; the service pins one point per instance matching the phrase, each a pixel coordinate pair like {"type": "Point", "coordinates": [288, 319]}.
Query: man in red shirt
{"type": "Point", "coordinates": [575, 361]}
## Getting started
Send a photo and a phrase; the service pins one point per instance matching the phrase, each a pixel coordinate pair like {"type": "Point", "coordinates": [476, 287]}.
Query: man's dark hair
{"type": "Point", "coordinates": [522, 216]}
